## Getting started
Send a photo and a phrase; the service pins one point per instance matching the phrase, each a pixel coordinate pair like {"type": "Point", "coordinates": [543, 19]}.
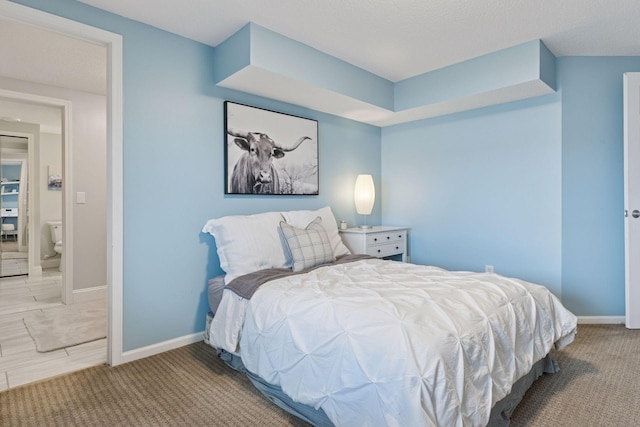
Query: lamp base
{"type": "Point", "coordinates": [365, 226]}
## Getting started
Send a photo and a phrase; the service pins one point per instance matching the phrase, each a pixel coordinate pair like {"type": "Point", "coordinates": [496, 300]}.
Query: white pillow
{"type": "Point", "coordinates": [248, 243]}
{"type": "Point", "coordinates": [300, 219]}
{"type": "Point", "coordinates": [309, 246]}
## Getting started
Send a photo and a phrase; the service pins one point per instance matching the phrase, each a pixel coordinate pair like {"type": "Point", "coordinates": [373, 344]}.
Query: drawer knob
{"type": "Point", "coordinates": [375, 239]}
{"type": "Point", "coordinates": [388, 237]}
{"type": "Point", "coordinates": [399, 236]}
{"type": "Point", "coordinates": [378, 250]}
{"type": "Point", "coordinates": [397, 247]}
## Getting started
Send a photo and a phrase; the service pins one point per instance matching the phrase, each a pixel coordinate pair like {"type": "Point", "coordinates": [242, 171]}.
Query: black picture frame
{"type": "Point", "coordinates": [269, 153]}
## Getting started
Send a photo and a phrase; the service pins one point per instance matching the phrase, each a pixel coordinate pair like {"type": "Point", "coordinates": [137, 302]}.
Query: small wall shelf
{"type": "Point", "coordinates": [9, 188]}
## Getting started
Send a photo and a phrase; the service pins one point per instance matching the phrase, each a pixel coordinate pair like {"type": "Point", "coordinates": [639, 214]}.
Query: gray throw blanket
{"type": "Point", "coordinates": [245, 286]}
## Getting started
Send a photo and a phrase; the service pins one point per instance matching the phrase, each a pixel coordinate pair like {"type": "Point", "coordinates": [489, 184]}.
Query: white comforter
{"type": "Point", "coordinates": [377, 343]}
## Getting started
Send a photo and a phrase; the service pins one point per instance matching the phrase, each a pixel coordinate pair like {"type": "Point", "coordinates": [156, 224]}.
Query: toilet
{"type": "Point", "coordinates": [56, 238]}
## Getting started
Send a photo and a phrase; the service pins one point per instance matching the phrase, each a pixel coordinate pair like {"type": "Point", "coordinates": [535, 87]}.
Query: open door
{"type": "Point", "coordinates": [632, 198]}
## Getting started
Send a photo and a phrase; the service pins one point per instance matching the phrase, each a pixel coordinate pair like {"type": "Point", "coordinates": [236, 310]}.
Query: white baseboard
{"type": "Point", "coordinates": [150, 350]}
{"type": "Point", "coordinates": [601, 320]}
{"type": "Point", "coordinates": [89, 294]}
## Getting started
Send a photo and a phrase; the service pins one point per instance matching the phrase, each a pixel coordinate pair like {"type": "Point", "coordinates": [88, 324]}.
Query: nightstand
{"type": "Point", "coordinates": [381, 241]}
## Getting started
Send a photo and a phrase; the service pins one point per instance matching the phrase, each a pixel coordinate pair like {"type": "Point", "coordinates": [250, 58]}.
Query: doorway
{"type": "Point", "coordinates": [14, 237]}
{"type": "Point", "coordinates": [28, 132]}
{"type": "Point", "coordinates": [113, 44]}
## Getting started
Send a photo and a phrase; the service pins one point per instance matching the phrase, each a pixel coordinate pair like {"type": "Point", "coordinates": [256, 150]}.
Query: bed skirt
{"type": "Point", "coordinates": [500, 414]}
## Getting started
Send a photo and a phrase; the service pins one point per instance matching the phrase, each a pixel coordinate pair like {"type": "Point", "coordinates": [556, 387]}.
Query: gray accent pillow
{"type": "Point", "coordinates": [308, 246]}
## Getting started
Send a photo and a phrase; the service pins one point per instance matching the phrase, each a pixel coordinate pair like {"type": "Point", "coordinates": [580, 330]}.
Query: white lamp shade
{"type": "Point", "coordinates": [364, 194]}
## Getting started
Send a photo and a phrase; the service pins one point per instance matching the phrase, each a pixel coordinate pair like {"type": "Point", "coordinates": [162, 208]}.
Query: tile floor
{"type": "Point", "coordinates": [20, 363]}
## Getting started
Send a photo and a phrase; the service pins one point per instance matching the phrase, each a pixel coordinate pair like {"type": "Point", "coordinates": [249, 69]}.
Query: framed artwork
{"type": "Point", "coordinates": [267, 152]}
{"type": "Point", "coordinates": [55, 179]}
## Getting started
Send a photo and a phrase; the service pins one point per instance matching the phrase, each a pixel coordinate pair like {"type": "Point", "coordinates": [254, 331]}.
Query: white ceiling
{"type": "Point", "coordinates": [394, 39]}
{"type": "Point", "coordinates": [397, 39]}
{"type": "Point", "coordinates": [35, 55]}
{"type": "Point", "coordinates": [49, 118]}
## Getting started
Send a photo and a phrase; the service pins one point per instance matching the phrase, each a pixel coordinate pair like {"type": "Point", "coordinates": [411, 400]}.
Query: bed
{"type": "Point", "coordinates": [343, 339]}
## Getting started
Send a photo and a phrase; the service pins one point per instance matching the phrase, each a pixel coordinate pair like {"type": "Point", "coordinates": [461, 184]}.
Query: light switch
{"type": "Point", "coordinates": [80, 197]}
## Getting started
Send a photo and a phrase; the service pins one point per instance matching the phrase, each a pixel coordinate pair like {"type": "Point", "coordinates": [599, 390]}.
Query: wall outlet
{"type": "Point", "coordinates": [488, 268]}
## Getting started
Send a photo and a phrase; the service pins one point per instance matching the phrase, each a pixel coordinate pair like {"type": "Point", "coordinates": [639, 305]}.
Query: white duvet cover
{"type": "Point", "coordinates": [377, 343]}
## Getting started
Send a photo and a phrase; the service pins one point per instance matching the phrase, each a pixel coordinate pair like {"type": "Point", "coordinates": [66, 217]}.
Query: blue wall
{"type": "Point", "coordinates": [173, 172]}
{"type": "Point", "coordinates": [592, 183]}
{"type": "Point", "coordinates": [10, 173]}
{"type": "Point", "coordinates": [534, 188]}
{"type": "Point", "coordinates": [480, 187]}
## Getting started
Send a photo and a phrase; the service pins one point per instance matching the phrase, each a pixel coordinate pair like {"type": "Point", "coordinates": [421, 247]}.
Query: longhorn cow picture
{"type": "Point", "coordinates": [267, 152]}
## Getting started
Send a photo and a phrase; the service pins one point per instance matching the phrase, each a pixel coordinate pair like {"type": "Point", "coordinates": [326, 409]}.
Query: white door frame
{"type": "Point", "coordinates": [34, 194]}
{"type": "Point", "coordinates": [34, 213]}
{"type": "Point", "coordinates": [21, 159]}
{"type": "Point", "coordinates": [113, 44]}
{"type": "Point", "coordinates": [23, 203]}
{"type": "Point", "coordinates": [631, 113]}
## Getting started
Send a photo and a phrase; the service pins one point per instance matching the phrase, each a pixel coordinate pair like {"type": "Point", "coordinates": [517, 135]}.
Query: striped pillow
{"type": "Point", "coordinates": [309, 246]}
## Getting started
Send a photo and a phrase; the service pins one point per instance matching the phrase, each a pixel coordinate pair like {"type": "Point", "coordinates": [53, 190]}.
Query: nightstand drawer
{"type": "Point", "coordinates": [388, 237]}
{"type": "Point", "coordinates": [387, 249]}
{"type": "Point", "coordinates": [378, 241]}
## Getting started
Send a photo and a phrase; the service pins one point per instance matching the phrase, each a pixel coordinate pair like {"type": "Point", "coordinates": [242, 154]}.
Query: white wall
{"type": "Point", "coordinates": [88, 129]}
{"type": "Point", "coordinates": [50, 201]}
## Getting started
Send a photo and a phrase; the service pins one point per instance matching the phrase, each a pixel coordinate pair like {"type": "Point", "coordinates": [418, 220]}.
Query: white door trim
{"type": "Point", "coordinates": [33, 261]}
{"type": "Point", "coordinates": [631, 97]}
{"type": "Point", "coordinates": [113, 44]}
{"type": "Point", "coordinates": [34, 194]}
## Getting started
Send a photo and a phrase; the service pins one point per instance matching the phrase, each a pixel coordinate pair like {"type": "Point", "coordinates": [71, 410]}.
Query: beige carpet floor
{"type": "Point", "coordinates": [188, 386]}
{"type": "Point", "coordinates": [598, 385]}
